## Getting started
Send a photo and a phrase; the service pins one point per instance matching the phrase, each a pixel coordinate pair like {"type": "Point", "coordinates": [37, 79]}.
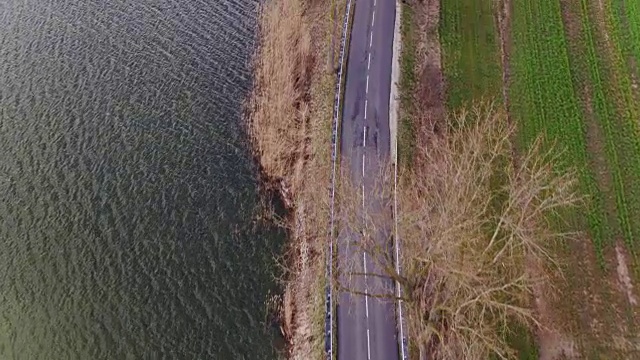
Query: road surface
{"type": "Point", "coordinates": [366, 326]}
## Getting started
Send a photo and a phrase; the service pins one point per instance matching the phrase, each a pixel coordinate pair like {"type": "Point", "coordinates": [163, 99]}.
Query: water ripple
{"type": "Point", "coordinates": [127, 187]}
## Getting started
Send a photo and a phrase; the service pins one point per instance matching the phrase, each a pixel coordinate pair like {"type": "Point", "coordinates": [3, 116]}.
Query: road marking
{"type": "Point", "coordinates": [364, 143]}
{"type": "Point", "coordinates": [366, 102]}
{"type": "Point", "coordinates": [365, 275]}
{"type": "Point", "coordinates": [364, 254]}
{"type": "Point", "coordinates": [366, 298]}
{"type": "Point", "coordinates": [368, 346]}
{"type": "Point", "coordinates": [364, 139]}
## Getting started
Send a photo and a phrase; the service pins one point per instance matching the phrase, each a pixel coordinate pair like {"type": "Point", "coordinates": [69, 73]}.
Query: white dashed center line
{"type": "Point", "coordinates": [366, 102]}
{"type": "Point", "coordinates": [373, 18]}
{"type": "Point", "coordinates": [364, 143]}
{"type": "Point", "coordinates": [366, 303]}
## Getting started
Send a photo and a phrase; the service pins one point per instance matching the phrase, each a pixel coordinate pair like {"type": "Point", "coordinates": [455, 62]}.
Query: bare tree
{"type": "Point", "coordinates": [472, 215]}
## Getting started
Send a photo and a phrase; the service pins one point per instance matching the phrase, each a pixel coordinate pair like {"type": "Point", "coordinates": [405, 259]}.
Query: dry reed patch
{"type": "Point", "coordinates": [469, 222]}
{"type": "Point", "coordinates": [313, 197]}
{"type": "Point", "coordinates": [429, 99]}
{"type": "Point", "coordinates": [290, 125]}
{"type": "Point", "coordinates": [277, 124]}
{"type": "Point", "coordinates": [279, 104]}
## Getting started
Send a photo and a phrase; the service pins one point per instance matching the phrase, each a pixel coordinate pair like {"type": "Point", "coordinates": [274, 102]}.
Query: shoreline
{"type": "Point", "coordinates": [291, 131]}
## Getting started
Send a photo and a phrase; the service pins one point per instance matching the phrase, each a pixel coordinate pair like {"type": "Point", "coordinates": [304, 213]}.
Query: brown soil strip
{"type": "Point", "coordinates": [429, 96]}
{"type": "Point", "coordinates": [635, 82]}
{"type": "Point", "coordinates": [504, 29]}
{"type": "Point", "coordinates": [623, 275]}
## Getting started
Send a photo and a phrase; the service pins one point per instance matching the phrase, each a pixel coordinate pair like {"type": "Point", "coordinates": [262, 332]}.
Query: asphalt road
{"type": "Point", "coordinates": [366, 325]}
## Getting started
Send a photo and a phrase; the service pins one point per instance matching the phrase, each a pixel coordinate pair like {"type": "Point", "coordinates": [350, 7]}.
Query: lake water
{"type": "Point", "coordinates": [127, 189]}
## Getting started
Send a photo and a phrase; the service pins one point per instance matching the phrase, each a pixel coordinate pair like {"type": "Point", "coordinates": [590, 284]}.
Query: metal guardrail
{"type": "Point", "coordinates": [404, 351]}
{"type": "Point", "coordinates": [334, 154]}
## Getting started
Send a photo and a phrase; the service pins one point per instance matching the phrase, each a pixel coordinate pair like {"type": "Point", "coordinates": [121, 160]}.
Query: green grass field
{"type": "Point", "coordinates": [550, 73]}
{"type": "Point", "coordinates": [627, 14]}
{"type": "Point", "coordinates": [472, 70]}
{"type": "Point", "coordinates": [470, 51]}
{"type": "Point", "coordinates": [618, 69]}
{"type": "Point", "coordinates": [543, 99]}
{"type": "Point", "coordinates": [573, 64]}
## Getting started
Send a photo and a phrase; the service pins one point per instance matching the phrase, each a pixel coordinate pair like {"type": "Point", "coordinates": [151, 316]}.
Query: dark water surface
{"type": "Point", "coordinates": [127, 191]}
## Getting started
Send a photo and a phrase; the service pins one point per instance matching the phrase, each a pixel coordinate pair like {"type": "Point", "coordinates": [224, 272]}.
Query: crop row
{"type": "Point", "coordinates": [616, 113]}
{"type": "Point", "coordinates": [605, 114]}
{"type": "Point", "coordinates": [627, 14]}
{"type": "Point", "coordinates": [543, 99]}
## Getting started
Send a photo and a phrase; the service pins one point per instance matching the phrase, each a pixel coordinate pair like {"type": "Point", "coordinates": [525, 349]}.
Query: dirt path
{"type": "Point", "coordinates": [430, 90]}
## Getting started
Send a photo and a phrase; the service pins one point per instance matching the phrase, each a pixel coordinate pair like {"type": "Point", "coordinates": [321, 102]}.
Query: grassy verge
{"type": "Point", "coordinates": [613, 113]}
{"type": "Point", "coordinates": [618, 87]}
{"type": "Point", "coordinates": [408, 78]}
{"type": "Point", "coordinates": [470, 51]}
{"type": "Point", "coordinates": [290, 123]}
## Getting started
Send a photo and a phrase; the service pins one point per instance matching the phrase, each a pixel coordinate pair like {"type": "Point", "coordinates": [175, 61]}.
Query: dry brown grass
{"type": "Point", "coordinates": [470, 222]}
{"type": "Point", "coordinates": [280, 108]}
{"type": "Point", "coordinates": [290, 125]}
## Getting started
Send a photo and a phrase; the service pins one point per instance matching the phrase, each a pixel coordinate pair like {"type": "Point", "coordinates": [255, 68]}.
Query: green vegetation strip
{"type": "Point", "coordinates": [472, 71]}
{"type": "Point", "coordinates": [598, 66]}
{"type": "Point", "coordinates": [627, 13]}
{"type": "Point", "coordinates": [624, 46]}
{"type": "Point", "coordinates": [543, 98]}
{"type": "Point", "coordinates": [470, 51]}
{"type": "Point", "coordinates": [408, 80]}
{"type": "Point", "coordinates": [614, 109]}
{"type": "Point", "coordinates": [605, 112]}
